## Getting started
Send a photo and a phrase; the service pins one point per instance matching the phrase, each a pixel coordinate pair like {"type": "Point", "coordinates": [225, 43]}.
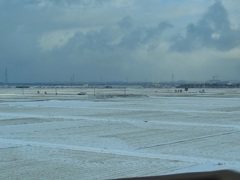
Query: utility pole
{"type": "Point", "coordinates": [214, 78]}
{"type": "Point", "coordinates": [72, 79]}
{"type": "Point", "coordinates": [6, 76]}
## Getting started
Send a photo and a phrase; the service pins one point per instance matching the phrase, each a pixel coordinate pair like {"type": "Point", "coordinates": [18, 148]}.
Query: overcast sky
{"type": "Point", "coordinates": [119, 40]}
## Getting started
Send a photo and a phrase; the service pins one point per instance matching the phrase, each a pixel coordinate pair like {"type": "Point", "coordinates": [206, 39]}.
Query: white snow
{"type": "Point", "coordinates": [87, 137]}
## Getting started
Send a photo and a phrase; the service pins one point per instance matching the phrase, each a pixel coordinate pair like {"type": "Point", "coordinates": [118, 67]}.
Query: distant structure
{"type": "Point", "coordinates": [172, 80]}
{"type": "Point", "coordinates": [72, 79]}
{"type": "Point", "coordinates": [6, 76]}
{"type": "Point", "coordinates": [214, 78]}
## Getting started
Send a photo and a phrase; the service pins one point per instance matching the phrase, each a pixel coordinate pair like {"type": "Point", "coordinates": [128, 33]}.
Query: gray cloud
{"type": "Point", "coordinates": [126, 22]}
{"type": "Point", "coordinates": [47, 3]}
{"type": "Point", "coordinates": [212, 31]}
{"type": "Point", "coordinates": [49, 40]}
{"type": "Point", "coordinates": [143, 36]}
{"type": "Point", "coordinates": [109, 50]}
{"type": "Point", "coordinates": [109, 39]}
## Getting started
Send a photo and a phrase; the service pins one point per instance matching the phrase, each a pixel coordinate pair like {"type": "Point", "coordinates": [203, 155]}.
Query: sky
{"type": "Point", "coordinates": [119, 40]}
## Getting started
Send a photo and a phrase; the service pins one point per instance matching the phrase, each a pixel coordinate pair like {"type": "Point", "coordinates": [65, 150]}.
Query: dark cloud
{"type": "Point", "coordinates": [126, 22]}
{"type": "Point", "coordinates": [108, 50]}
{"type": "Point", "coordinates": [155, 32]}
{"type": "Point", "coordinates": [49, 40]}
{"type": "Point", "coordinates": [143, 36]}
{"type": "Point", "coordinates": [111, 39]}
{"type": "Point", "coordinates": [212, 31]}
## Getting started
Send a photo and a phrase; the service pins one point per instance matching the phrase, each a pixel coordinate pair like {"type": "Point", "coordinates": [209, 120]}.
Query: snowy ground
{"type": "Point", "coordinates": [153, 132]}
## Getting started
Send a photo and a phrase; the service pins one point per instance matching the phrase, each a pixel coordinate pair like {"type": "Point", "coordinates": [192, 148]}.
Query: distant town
{"type": "Point", "coordinates": [167, 84]}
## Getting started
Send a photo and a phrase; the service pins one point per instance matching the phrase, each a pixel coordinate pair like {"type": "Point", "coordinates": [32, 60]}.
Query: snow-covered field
{"type": "Point", "coordinates": [148, 132]}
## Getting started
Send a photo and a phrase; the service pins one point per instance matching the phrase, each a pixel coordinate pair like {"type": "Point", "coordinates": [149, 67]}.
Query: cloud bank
{"type": "Point", "coordinates": [212, 31]}
{"type": "Point", "coordinates": [105, 40]}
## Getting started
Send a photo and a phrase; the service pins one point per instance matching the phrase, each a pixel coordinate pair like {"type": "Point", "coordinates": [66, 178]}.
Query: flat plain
{"type": "Point", "coordinates": [62, 133]}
